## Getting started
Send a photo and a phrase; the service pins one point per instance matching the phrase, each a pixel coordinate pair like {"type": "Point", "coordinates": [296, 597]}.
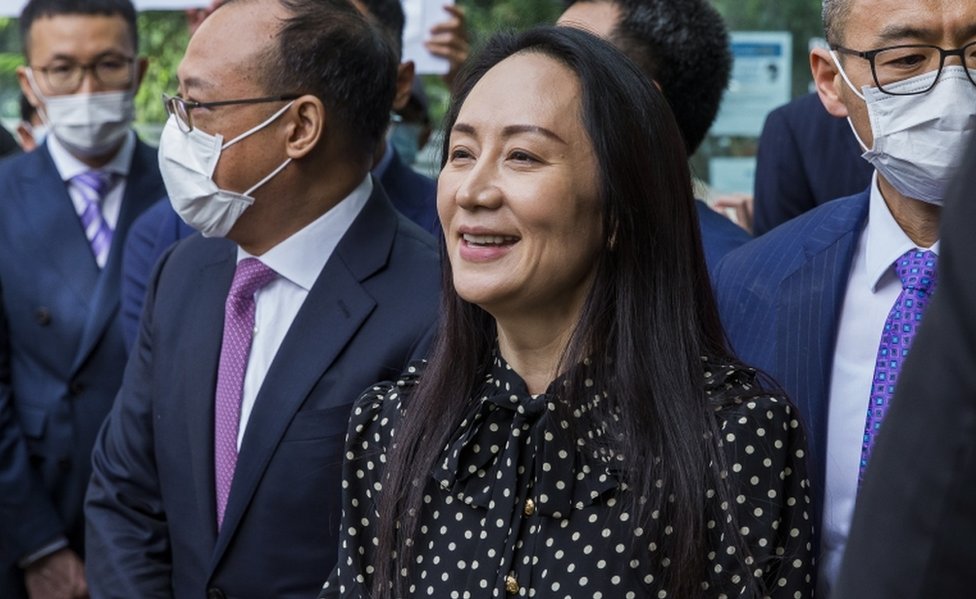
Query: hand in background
{"type": "Point", "coordinates": [60, 575]}
{"type": "Point", "coordinates": [449, 40]}
{"type": "Point", "coordinates": [738, 207]}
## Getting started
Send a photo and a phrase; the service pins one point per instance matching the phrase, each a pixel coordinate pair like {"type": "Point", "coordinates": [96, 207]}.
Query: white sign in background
{"type": "Point", "coordinates": [761, 81]}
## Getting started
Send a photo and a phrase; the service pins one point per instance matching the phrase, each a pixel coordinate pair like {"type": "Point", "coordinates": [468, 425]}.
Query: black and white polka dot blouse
{"type": "Point", "coordinates": [509, 511]}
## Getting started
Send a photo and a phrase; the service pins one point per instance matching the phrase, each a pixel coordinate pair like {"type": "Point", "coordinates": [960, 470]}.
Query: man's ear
{"type": "Point", "coordinates": [827, 78]}
{"type": "Point", "coordinates": [26, 88]}
{"type": "Point", "coordinates": [404, 83]}
{"type": "Point", "coordinates": [306, 126]}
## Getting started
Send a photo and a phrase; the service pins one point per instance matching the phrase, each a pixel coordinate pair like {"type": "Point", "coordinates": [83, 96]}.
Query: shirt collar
{"type": "Point", "coordinates": [301, 257]}
{"type": "Point", "coordinates": [885, 241]}
{"type": "Point", "coordinates": [69, 167]}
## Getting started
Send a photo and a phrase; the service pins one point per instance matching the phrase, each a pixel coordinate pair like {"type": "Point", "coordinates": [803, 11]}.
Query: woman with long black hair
{"type": "Point", "coordinates": [580, 428]}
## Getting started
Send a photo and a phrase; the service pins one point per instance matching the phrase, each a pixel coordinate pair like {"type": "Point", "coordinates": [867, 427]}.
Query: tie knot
{"type": "Point", "coordinates": [93, 183]}
{"type": "Point", "coordinates": [250, 276]}
{"type": "Point", "coordinates": [916, 269]}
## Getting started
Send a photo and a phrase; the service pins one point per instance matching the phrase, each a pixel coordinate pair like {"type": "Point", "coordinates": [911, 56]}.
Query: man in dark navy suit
{"type": "Point", "coordinates": [683, 47]}
{"type": "Point", "coordinates": [65, 210]}
{"type": "Point", "coordinates": [806, 158]}
{"type": "Point", "coordinates": [413, 194]}
{"type": "Point", "coordinates": [915, 520]}
{"type": "Point", "coordinates": [829, 303]}
{"type": "Point", "coordinates": [218, 470]}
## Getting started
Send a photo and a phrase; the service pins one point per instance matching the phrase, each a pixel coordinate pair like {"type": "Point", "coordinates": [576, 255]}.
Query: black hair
{"type": "Point", "coordinates": [389, 15]}
{"type": "Point", "coordinates": [329, 49]}
{"type": "Point", "coordinates": [37, 9]}
{"type": "Point", "coordinates": [650, 309]}
{"type": "Point", "coordinates": [684, 46]}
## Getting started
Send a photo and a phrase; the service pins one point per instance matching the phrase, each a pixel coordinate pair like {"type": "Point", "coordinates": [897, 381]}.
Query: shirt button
{"type": "Point", "coordinates": [511, 585]}
{"type": "Point", "coordinates": [529, 507]}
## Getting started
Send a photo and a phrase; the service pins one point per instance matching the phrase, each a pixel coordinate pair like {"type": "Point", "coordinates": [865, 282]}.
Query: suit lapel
{"type": "Point", "coordinates": [204, 323]}
{"type": "Point", "coordinates": [328, 320]}
{"type": "Point", "coordinates": [809, 304]}
{"type": "Point", "coordinates": [141, 190]}
{"type": "Point", "coordinates": [52, 217]}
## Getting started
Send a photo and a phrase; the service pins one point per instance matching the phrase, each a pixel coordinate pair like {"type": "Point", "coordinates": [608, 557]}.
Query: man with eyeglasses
{"type": "Point", "coordinates": [218, 471]}
{"type": "Point", "coordinates": [65, 210]}
{"type": "Point", "coordinates": [829, 303]}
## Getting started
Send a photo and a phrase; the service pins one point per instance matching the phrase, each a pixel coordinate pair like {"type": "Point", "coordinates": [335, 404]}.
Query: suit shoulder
{"type": "Point", "coordinates": [788, 239]}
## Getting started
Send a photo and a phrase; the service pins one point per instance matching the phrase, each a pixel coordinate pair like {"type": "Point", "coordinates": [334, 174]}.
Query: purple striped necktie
{"type": "Point", "coordinates": [92, 186]}
{"type": "Point", "coordinates": [916, 269]}
{"type": "Point", "coordinates": [251, 276]}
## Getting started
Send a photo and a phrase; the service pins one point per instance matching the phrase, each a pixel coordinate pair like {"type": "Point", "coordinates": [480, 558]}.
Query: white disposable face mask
{"type": "Point", "coordinates": [919, 140]}
{"type": "Point", "coordinates": [86, 124]}
{"type": "Point", "coordinates": [187, 162]}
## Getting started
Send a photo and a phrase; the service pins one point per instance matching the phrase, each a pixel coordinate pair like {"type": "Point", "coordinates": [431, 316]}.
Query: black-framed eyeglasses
{"type": "Point", "coordinates": [181, 107]}
{"type": "Point", "coordinates": [65, 77]}
{"type": "Point", "coordinates": [892, 65]}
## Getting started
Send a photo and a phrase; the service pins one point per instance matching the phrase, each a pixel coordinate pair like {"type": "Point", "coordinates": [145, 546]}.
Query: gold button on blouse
{"type": "Point", "coordinates": [529, 507]}
{"type": "Point", "coordinates": [511, 585]}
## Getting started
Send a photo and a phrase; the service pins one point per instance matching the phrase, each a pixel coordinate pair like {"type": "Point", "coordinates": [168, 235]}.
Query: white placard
{"type": "Point", "coordinates": [421, 16]}
{"type": "Point", "coordinates": [761, 81]}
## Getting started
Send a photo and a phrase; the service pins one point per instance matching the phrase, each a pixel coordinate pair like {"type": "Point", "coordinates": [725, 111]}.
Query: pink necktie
{"type": "Point", "coordinates": [251, 275]}
{"type": "Point", "coordinates": [92, 185]}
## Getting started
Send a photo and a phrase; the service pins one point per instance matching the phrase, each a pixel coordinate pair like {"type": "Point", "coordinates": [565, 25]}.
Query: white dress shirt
{"type": "Point", "coordinates": [68, 166]}
{"type": "Point", "coordinates": [298, 261]}
{"type": "Point", "coordinates": [872, 289]}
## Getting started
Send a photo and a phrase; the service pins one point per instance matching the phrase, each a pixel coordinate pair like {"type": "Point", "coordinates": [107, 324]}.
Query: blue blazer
{"type": "Point", "coordinates": [150, 506]}
{"type": "Point", "coordinates": [413, 194]}
{"type": "Point", "coordinates": [719, 235]}
{"type": "Point", "coordinates": [780, 298]}
{"type": "Point", "coordinates": [806, 158]}
{"type": "Point", "coordinates": [61, 349]}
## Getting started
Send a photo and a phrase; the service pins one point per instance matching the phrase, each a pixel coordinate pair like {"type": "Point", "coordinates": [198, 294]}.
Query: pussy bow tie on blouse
{"type": "Point", "coordinates": [502, 434]}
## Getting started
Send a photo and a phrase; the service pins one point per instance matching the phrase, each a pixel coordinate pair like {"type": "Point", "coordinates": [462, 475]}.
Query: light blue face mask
{"type": "Point", "coordinates": [405, 138]}
{"type": "Point", "coordinates": [919, 140]}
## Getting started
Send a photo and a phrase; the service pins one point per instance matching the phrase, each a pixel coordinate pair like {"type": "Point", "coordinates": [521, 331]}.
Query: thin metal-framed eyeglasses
{"type": "Point", "coordinates": [895, 64]}
{"type": "Point", "coordinates": [181, 108]}
{"type": "Point", "coordinates": [65, 77]}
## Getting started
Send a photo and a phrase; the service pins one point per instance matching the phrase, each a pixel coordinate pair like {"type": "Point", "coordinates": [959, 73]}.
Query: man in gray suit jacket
{"type": "Point", "coordinates": [65, 210]}
{"type": "Point", "coordinates": [218, 470]}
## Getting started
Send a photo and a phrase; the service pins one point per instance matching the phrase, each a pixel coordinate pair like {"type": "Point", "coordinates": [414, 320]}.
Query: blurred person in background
{"type": "Point", "coordinates": [683, 47]}
{"type": "Point", "coordinates": [67, 207]}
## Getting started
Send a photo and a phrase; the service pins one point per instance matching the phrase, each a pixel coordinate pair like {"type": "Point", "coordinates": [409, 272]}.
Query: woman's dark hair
{"type": "Point", "coordinates": [650, 309]}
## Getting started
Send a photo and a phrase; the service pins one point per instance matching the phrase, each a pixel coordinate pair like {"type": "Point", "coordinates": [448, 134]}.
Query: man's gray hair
{"type": "Point", "coordinates": [834, 17]}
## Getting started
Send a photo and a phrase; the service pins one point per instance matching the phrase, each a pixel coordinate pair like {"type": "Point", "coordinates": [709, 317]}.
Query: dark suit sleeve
{"type": "Point", "coordinates": [28, 518]}
{"type": "Point", "coordinates": [914, 527]}
{"type": "Point", "coordinates": [782, 190]}
{"type": "Point", "coordinates": [126, 531]}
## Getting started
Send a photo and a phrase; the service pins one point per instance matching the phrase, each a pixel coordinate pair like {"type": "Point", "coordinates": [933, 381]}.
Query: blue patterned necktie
{"type": "Point", "coordinates": [93, 185]}
{"type": "Point", "coordinates": [916, 269]}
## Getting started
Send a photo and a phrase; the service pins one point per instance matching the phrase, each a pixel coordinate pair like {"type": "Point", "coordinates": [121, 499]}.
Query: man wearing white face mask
{"type": "Point", "coordinates": [65, 211]}
{"type": "Point", "coordinates": [829, 302]}
{"type": "Point", "coordinates": [218, 471]}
